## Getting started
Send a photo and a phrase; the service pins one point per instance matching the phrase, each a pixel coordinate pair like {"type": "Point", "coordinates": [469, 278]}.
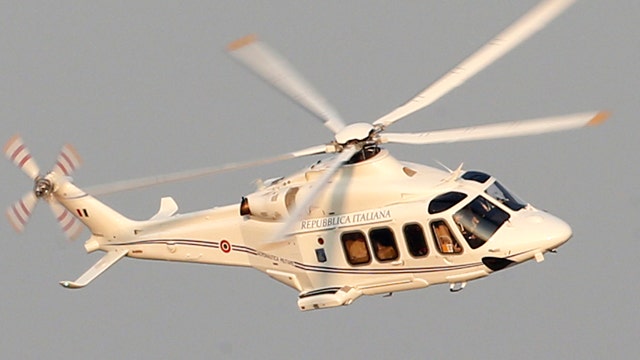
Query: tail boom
{"type": "Point", "coordinates": [95, 215]}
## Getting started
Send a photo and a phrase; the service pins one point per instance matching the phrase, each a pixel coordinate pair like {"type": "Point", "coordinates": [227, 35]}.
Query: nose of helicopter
{"type": "Point", "coordinates": [559, 233]}
{"type": "Point", "coordinates": [539, 231]}
{"type": "Point", "coordinates": [555, 231]}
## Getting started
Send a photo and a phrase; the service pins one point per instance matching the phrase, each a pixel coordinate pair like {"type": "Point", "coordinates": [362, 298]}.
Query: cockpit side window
{"type": "Point", "coordinates": [479, 220]}
{"type": "Point", "coordinates": [355, 247]}
{"type": "Point", "coordinates": [505, 197]}
{"type": "Point", "coordinates": [384, 244]}
{"type": "Point", "coordinates": [447, 243]}
{"type": "Point", "coordinates": [445, 201]}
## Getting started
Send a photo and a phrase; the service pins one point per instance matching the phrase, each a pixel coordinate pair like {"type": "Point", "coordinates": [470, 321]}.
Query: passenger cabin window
{"type": "Point", "coordinates": [445, 201]}
{"type": "Point", "coordinates": [447, 243]}
{"type": "Point", "coordinates": [355, 247]}
{"type": "Point", "coordinates": [416, 242]}
{"type": "Point", "coordinates": [479, 220]}
{"type": "Point", "coordinates": [384, 244]}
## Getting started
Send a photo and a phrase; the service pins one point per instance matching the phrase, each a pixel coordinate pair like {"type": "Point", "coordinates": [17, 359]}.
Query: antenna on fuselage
{"type": "Point", "coordinates": [454, 174]}
{"type": "Point", "coordinates": [443, 165]}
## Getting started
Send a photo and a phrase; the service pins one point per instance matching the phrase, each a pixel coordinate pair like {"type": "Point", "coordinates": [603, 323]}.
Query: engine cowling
{"type": "Point", "coordinates": [269, 205]}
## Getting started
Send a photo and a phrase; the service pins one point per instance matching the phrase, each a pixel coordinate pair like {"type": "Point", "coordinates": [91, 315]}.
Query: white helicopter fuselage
{"type": "Point", "coordinates": [360, 223]}
{"type": "Point", "coordinates": [371, 232]}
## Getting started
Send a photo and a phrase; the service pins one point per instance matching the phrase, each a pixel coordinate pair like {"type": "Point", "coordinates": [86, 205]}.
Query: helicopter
{"type": "Point", "coordinates": [359, 222]}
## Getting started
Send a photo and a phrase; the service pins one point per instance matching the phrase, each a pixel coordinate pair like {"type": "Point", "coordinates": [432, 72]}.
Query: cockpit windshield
{"type": "Point", "coordinates": [479, 220]}
{"type": "Point", "coordinates": [505, 197]}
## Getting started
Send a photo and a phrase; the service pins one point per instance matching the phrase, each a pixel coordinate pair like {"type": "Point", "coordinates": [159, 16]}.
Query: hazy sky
{"type": "Point", "coordinates": [144, 88]}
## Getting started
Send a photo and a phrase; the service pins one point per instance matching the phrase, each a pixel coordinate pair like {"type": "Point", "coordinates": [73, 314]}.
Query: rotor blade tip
{"type": "Point", "coordinates": [599, 118]}
{"type": "Point", "coordinates": [242, 42]}
{"type": "Point", "coordinates": [10, 142]}
{"type": "Point", "coordinates": [74, 152]}
{"type": "Point", "coordinates": [18, 227]}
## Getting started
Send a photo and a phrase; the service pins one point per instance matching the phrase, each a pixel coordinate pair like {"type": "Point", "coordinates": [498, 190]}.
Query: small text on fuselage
{"type": "Point", "coordinates": [359, 218]}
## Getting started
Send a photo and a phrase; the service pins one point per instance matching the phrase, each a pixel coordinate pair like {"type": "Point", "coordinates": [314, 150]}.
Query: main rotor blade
{"type": "Point", "coordinates": [193, 174]}
{"type": "Point", "coordinates": [275, 70]}
{"type": "Point", "coordinates": [499, 130]}
{"type": "Point", "coordinates": [302, 206]}
{"type": "Point", "coordinates": [522, 29]}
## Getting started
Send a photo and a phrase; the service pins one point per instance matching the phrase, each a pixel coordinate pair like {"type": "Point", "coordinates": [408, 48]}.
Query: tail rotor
{"type": "Point", "coordinates": [19, 213]}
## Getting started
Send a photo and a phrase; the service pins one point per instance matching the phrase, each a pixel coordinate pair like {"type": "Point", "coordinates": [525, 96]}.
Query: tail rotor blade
{"type": "Point", "coordinates": [68, 223]}
{"type": "Point", "coordinates": [16, 151]}
{"type": "Point", "coordinates": [68, 161]}
{"type": "Point", "coordinates": [19, 213]}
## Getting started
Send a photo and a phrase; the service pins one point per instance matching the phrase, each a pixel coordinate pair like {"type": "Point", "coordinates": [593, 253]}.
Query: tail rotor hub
{"type": "Point", "coordinates": [43, 187]}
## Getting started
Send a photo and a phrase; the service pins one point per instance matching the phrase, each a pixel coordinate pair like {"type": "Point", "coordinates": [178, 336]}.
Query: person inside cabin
{"type": "Point", "coordinates": [356, 248]}
{"type": "Point", "coordinates": [467, 222]}
{"type": "Point", "coordinates": [385, 251]}
{"type": "Point", "coordinates": [446, 242]}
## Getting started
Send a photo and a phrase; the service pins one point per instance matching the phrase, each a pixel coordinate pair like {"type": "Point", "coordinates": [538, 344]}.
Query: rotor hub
{"type": "Point", "coordinates": [43, 187]}
{"type": "Point", "coordinates": [355, 132]}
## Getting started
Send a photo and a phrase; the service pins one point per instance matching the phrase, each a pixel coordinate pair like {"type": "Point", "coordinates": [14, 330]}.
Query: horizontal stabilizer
{"type": "Point", "coordinates": [103, 264]}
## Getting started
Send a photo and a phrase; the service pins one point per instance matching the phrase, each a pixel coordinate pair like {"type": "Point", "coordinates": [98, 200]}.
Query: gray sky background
{"type": "Point", "coordinates": [144, 88]}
